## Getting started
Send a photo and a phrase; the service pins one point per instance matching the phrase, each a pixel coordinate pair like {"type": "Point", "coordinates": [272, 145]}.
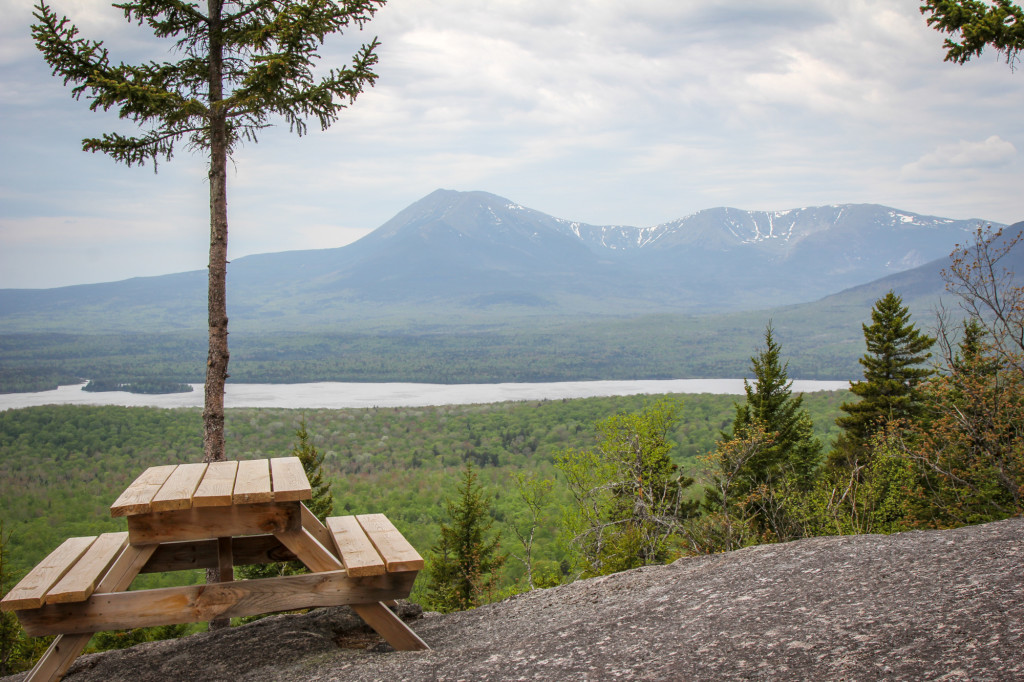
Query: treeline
{"type": "Point", "coordinates": [652, 347]}
{"type": "Point", "coordinates": [149, 387]}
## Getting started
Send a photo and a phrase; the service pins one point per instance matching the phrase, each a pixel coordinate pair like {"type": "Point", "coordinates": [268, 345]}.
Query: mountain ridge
{"type": "Point", "coordinates": [456, 254]}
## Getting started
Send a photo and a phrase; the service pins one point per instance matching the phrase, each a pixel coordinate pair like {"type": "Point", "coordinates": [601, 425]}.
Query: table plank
{"type": "Point", "coordinates": [217, 486]}
{"type": "Point", "coordinates": [398, 554]}
{"type": "Point", "coordinates": [136, 497]}
{"type": "Point", "coordinates": [355, 549]}
{"type": "Point", "coordinates": [177, 490]}
{"type": "Point", "coordinates": [252, 483]}
{"type": "Point", "coordinates": [66, 648]}
{"type": "Point", "coordinates": [29, 593]}
{"type": "Point", "coordinates": [289, 480]}
{"type": "Point", "coordinates": [80, 582]}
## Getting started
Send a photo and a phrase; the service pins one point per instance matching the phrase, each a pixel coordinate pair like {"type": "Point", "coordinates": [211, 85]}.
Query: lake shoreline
{"type": "Point", "coordinates": [343, 395]}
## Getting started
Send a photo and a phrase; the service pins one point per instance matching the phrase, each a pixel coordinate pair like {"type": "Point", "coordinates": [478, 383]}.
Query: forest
{"type": "Point", "coordinates": [649, 347]}
{"type": "Point", "coordinates": [62, 466]}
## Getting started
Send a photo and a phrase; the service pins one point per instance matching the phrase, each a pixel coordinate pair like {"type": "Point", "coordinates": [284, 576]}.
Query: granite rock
{"type": "Point", "coordinates": [935, 605]}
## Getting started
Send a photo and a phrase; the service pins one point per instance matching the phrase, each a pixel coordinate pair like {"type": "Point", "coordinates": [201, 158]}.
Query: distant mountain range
{"type": "Point", "coordinates": [466, 257]}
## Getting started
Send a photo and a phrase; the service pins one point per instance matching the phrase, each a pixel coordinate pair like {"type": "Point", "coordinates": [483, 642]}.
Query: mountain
{"type": "Point", "coordinates": [470, 256]}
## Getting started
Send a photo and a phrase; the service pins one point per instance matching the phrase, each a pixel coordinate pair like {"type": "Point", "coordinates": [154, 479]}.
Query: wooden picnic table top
{"type": "Point", "coordinates": [218, 484]}
{"type": "Point", "coordinates": [205, 512]}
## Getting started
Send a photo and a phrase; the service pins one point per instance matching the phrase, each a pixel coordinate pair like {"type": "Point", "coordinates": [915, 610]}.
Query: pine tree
{"type": "Point", "coordinates": [790, 454]}
{"type": "Point", "coordinates": [973, 25]}
{"type": "Point", "coordinates": [243, 63]}
{"type": "Point", "coordinates": [464, 564]}
{"type": "Point", "coordinates": [890, 391]}
{"type": "Point", "coordinates": [322, 501]}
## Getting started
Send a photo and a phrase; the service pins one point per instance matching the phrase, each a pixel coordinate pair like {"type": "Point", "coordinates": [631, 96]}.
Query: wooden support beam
{"type": "Point", "coordinates": [207, 523]}
{"type": "Point", "coordinates": [66, 648]}
{"type": "Point", "coordinates": [198, 603]}
{"type": "Point", "coordinates": [318, 530]}
{"type": "Point", "coordinates": [308, 550]}
{"type": "Point", "coordinates": [225, 560]}
{"type": "Point", "coordinates": [390, 627]}
{"type": "Point", "coordinates": [183, 556]}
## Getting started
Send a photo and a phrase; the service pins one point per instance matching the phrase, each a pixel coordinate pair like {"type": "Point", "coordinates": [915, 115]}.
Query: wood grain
{"type": "Point", "coordinates": [136, 497]}
{"type": "Point", "coordinates": [356, 551]}
{"type": "Point", "coordinates": [396, 551]}
{"type": "Point", "coordinates": [207, 523]}
{"type": "Point", "coordinates": [177, 490]}
{"type": "Point", "coordinates": [81, 580]}
{"type": "Point", "coordinates": [289, 480]}
{"type": "Point", "coordinates": [308, 550]}
{"type": "Point", "coordinates": [390, 627]}
{"type": "Point", "coordinates": [65, 648]}
{"type": "Point", "coordinates": [218, 485]}
{"type": "Point", "coordinates": [318, 530]}
{"type": "Point", "coordinates": [198, 603]}
{"type": "Point", "coordinates": [252, 482]}
{"type": "Point", "coordinates": [30, 591]}
{"type": "Point", "coordinates": [191, 554]}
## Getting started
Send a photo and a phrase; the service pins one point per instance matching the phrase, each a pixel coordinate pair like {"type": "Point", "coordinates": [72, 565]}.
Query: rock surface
{"type": "Point", "coordinates": [939, 605]}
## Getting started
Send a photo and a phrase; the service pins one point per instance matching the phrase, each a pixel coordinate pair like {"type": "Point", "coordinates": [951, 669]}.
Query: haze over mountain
{"type": "Point", "coordinates": [466, 254]}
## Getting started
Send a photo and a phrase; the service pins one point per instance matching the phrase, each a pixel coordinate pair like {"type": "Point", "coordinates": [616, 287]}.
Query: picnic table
{"type": "Point", "coordinates": [219, 515]}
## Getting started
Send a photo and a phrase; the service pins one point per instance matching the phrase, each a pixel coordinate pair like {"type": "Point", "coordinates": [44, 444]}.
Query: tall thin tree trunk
{"type": "Point", "coordinates": [217, 356]}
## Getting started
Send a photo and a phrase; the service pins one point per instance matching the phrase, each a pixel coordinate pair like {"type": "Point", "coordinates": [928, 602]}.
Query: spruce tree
{"type": "Point", "coordinates": [243, 63]}
{"type": "Point", "coordinates": [464, 564]}
{"type": "Point", "coordinates": [893, 373]}
{"type": "Point", "coordinates": [322, 501]}
{"type": "Point", "coordinates": [791, 454]}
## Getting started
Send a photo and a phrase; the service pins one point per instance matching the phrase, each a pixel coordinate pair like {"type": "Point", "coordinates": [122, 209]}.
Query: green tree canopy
{"type": "Point", "coordinates": [974, 25]}
{"type": "Point", "coordinates": [630, 499]}
{"type": "Point", "coordinates": [464, 565]}
{"type": "Point", "coordinates": [789, 454]}
{"type": "Point", "coordinates": [893, 372]}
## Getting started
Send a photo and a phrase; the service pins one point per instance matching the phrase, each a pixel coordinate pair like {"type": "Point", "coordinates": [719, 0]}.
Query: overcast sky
{"type": "Point", "coordinates": [601, 111]}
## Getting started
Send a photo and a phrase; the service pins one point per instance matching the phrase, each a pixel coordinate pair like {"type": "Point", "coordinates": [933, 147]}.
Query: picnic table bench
{"type": "Point", "coordinates": [215, 515]}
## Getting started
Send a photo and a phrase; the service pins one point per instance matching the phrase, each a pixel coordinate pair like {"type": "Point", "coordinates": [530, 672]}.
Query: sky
{"type": "Point", "coordinates": [600, 111]}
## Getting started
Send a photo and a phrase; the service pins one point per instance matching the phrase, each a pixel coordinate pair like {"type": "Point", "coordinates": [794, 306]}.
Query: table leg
{"type": "Point", "coordinates": [389, 626]}
{"type": "Point", "coordinates": [66, 648]}
{"type": "Point", "coordinates": [225, 560]}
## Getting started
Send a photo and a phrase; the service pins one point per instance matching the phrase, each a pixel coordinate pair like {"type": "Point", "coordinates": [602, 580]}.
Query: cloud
{"type": "Point", "coordinates": [993, 152]}
{"type": "Point", "coordinates": [605, 112]}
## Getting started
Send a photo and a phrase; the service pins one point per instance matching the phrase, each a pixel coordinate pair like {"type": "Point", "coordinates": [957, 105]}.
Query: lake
{"type": "Point", "coordinates": [337, 395]}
